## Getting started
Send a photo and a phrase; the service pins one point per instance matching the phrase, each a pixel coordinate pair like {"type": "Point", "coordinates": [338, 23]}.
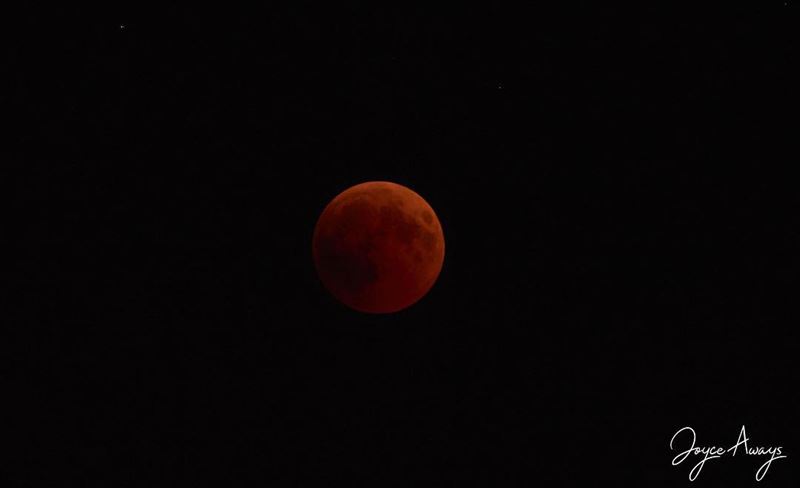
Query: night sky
{"type": "Point", "coordinates": [621, 248]}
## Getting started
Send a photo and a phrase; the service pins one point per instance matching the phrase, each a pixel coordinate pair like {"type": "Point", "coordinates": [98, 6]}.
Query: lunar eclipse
{"type": "Point", "coordinates": [378, 247]}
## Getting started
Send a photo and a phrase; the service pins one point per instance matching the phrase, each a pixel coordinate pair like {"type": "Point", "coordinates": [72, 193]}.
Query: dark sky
{"type": "Point", "coordinates": [621, 248]}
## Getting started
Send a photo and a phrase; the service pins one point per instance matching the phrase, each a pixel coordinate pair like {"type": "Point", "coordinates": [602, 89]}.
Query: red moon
{"type": "Point", "coordinates": [378, 247]}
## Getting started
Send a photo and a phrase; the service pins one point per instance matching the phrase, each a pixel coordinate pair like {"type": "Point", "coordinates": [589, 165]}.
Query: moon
{"type": "Point", "coordinates": [378, 247]}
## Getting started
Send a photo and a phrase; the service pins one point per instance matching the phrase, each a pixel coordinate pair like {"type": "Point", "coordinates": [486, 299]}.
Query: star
{"type": "Point", "coordinates": [121, 26]}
